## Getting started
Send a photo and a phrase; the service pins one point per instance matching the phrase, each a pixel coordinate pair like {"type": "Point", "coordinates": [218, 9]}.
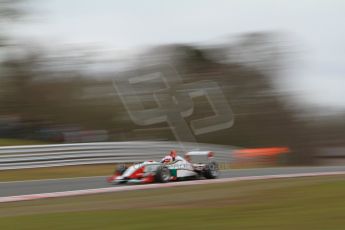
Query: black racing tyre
{"type": "Point", "coordinates": [211, 170]}
{"type": "Point", "coordinates": [162, 174]}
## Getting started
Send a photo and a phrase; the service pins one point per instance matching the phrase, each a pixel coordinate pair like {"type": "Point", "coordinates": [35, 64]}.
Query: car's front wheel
{"type": "Point", "coordinates": [162, 174]}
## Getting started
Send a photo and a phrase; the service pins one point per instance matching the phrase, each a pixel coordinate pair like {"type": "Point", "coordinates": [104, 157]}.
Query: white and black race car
{"type": "Point", "coordinates": [195, 164]}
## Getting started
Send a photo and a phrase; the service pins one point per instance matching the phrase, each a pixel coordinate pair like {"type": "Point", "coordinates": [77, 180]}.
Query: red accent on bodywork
{"type": "Point", "coordinates": [149, 179]}
{"type": "Point", "coordinates": [137, 173]}
{"type": "Point", "coordinates": [111, 178]}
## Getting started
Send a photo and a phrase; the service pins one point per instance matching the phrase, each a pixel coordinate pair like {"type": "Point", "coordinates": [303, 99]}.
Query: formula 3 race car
{"type": "Point", "coordinates": [194, 165]}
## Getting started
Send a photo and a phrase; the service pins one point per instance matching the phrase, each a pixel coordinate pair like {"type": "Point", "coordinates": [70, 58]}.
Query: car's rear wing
{"type": "Point", "coordinates": [199, 156]}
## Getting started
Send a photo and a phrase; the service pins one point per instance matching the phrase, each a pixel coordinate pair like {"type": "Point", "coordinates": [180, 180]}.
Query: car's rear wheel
{"type": "Point", "coordinates": [162, 174]}
{"type": "Point", "coordinates": [211, 170]}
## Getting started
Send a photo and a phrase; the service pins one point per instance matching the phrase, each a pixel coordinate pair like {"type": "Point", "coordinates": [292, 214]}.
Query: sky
{"type": "Point", "coordinates": [316, 26]}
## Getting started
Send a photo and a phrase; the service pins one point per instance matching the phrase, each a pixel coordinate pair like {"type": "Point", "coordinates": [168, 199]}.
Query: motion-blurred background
{"type": "Point", "coordinates": [279, 64]}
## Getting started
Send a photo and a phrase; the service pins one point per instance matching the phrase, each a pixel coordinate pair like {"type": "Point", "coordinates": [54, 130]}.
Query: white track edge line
{"type": "Point", "coordinates": [155, 186]}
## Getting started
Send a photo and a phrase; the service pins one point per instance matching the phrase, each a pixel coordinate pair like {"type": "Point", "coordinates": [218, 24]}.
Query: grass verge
{"type": "Point", "coordinates": [300, 203]}
{"type": "Point", "coordinates": [14, 142]}
{"type": "Point", "coordinates": [56, 172]}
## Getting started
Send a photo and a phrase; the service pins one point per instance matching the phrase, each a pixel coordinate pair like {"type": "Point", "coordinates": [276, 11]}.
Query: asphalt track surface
{"type": "Point", "coordinates": [59, 185]}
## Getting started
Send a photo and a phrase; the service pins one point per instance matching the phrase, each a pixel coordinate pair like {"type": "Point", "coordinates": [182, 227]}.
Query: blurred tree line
{"type": "Point", "coordinates": [46, 89]}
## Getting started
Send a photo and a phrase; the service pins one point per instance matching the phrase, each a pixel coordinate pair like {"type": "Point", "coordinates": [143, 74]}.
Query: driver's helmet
{"type": "Point", "coordinates": [173, 154]}
{"type": "Point", "coordinates": [170, 157]}
{"type": "Point", "coordinates": [167, 160]}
